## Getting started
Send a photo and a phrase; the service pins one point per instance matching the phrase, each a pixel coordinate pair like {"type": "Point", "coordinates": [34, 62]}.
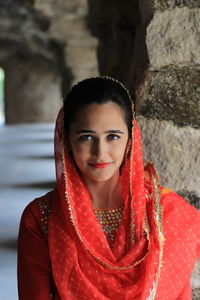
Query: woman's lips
{"type": "Point", "coordinates": [99, 165]}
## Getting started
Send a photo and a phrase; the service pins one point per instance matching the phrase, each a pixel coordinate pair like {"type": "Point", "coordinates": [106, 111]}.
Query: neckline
{"type": "Point", "coordinates": [113, 209]}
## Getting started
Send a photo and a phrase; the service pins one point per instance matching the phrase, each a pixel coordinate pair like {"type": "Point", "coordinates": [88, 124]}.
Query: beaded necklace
{"type": "Point", "coordinates": [109, 220]}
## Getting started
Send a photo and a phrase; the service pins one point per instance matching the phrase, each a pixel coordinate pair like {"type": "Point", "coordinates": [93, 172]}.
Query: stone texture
{"type": "Point", "coordinates": [196, 294]}
{"type": "Point", "coordinates": [23, 31]}
{"type": "Point", "coordinates": [173, 93]}
{"type": "Point", "coordinates": [195, 282]}
{"type": "Point", "coordinates": [196, 278]}
{"type": "Point", "coordinates": [32, 62]}
{"type": "Point", "coordinates": [33, 92]}
{"type": "Point", "coordinates": [173, 36]}
{"type": "Point", "coordinates": [68, 25]}
{"type": "Point", "coordinates": [50, 34]}
{"type": "Point", "coordinates": [169, 4]}
{"type": "Point", "coordinates": [175, 152]}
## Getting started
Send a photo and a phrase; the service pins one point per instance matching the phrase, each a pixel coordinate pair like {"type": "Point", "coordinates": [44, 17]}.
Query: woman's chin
{"type": "Point", "coordinates": [98, 176]}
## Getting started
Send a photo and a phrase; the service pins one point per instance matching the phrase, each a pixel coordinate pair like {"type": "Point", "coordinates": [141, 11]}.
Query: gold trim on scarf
{"type": "Point", "coordinates": [161, 238]}
{"type": "Point", "coordinates": [132, 225]}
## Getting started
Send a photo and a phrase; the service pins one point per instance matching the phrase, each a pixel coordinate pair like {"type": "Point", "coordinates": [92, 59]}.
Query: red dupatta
{"type": "Point", "coordinates": [84, 267]}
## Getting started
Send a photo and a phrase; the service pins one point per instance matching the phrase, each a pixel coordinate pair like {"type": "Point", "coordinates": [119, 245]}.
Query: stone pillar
{"type": "Point", "coordinates": [168, 100]}
{"type": "Point", "coordinates": [32, 62]}
{"type": "Point", "coordinates": [32, 91]}
{"type": "Point", "coordinates": [68, 26]}
{"type": "Point", "coordinates": [156, 43]}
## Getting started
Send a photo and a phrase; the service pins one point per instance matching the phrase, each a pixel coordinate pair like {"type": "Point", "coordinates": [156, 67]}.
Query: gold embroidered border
{"type": "Point", "coordinates": [158, 218]}
{"type": "Point", "coordinates": [46, 211]}
{"type": "Point", "coordinates": [132, 225]}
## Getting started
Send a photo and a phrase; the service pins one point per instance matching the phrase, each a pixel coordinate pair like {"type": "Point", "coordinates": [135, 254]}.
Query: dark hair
{"type": "Point", "coordinates": [96, 90]}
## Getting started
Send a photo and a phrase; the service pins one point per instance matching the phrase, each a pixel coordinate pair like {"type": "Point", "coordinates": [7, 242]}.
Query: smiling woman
{"type": "Point", "coordinates": [108, 230]}
{"type": "Point", "coordinates": [98, 138]}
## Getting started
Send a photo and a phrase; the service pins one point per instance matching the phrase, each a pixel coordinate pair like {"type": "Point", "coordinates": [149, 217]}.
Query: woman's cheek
{"type": "Point", "coordinates": [119, 151]}
{"type": "Point", "coordinates": [81, 155]}
{"type": "Point", "coordinates": [80, 149]}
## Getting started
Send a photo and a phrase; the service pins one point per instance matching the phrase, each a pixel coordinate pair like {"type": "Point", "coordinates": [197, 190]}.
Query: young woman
{"type": "Point", "coordinates": [108, 230]}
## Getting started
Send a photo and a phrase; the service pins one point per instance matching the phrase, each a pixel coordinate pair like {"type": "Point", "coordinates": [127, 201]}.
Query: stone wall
{"type": "Point", "coordinates": [170, 91]}
{"type": "Point", "coordinates": [153, 47]}
{"type": "Point", "coordinates": [168, 100]}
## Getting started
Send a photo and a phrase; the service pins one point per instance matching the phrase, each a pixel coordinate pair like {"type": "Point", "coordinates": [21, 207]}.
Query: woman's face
{"type": "Point", "coordinates": [98, 139]}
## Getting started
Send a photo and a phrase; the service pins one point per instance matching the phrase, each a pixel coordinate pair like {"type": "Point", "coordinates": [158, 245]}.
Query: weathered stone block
{"type": "Point", "coordinates": [196, 294]}
{"type": "Point", "coordinates": [173, 36]}
{"type": "Point", "coordinates": [171, 94]}
{"type": "Point", "coordinates": [166, 4]}
{"type": "Point", "coordinates": [175, 152]}
{"type": "Point", "coordinates": [60, 7]}
{"type": "Point", "coordinates": [196, 278]}
{"type": "Point", "coordinates": [196, 282]}
{"type": "Point", "coordinates": [68, 25]}
{"type": "Point", "coordinates": [23, 32]}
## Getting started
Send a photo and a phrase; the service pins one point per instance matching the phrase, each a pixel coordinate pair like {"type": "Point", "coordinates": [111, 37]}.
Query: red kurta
{"type": "Point", "coordinates": [34, 265]}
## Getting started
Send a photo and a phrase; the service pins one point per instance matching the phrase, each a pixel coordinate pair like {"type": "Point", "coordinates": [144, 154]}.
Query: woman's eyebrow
{"type": "Point", "coordinates": [107, 131]}
{"type": "Point", "coordinates": [85, 131]}
{"type": "Point", "coordinates": [114, 131]}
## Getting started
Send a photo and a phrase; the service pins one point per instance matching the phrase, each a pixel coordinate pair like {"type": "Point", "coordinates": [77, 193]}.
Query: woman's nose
{"type": "Point", "coordinates": [99, 149]}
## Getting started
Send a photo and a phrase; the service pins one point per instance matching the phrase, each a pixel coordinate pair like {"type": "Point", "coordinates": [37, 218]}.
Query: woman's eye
{"type": "Point", "coordinates": [113, 137]}
{"type": "Point", "coordinates": [85, 137]}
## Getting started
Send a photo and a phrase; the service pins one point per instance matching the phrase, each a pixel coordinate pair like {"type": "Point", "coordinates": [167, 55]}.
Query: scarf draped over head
{"type": "Point", "coordinates": [83, 264]}
{"type": "Point", "coordinates": [84, 267]}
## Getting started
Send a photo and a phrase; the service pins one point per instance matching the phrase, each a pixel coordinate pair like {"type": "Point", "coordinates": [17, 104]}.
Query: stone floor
{"type": "Point", "coordinates": [27, 171]}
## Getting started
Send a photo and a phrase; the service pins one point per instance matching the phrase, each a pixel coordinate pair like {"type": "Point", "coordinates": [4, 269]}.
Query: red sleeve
{"type": "Point", "coordinates": [188, 214]}
{"type": "Point", "coordinates": [34, 271]}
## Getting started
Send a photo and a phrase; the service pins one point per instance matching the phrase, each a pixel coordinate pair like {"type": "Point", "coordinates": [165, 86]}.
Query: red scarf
{"type": "Point", "coordinates": [84, 267]}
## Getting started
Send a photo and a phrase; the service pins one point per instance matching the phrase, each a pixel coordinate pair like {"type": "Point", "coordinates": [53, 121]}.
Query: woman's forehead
{"type": "Point", "coordinates": [106, 116]}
